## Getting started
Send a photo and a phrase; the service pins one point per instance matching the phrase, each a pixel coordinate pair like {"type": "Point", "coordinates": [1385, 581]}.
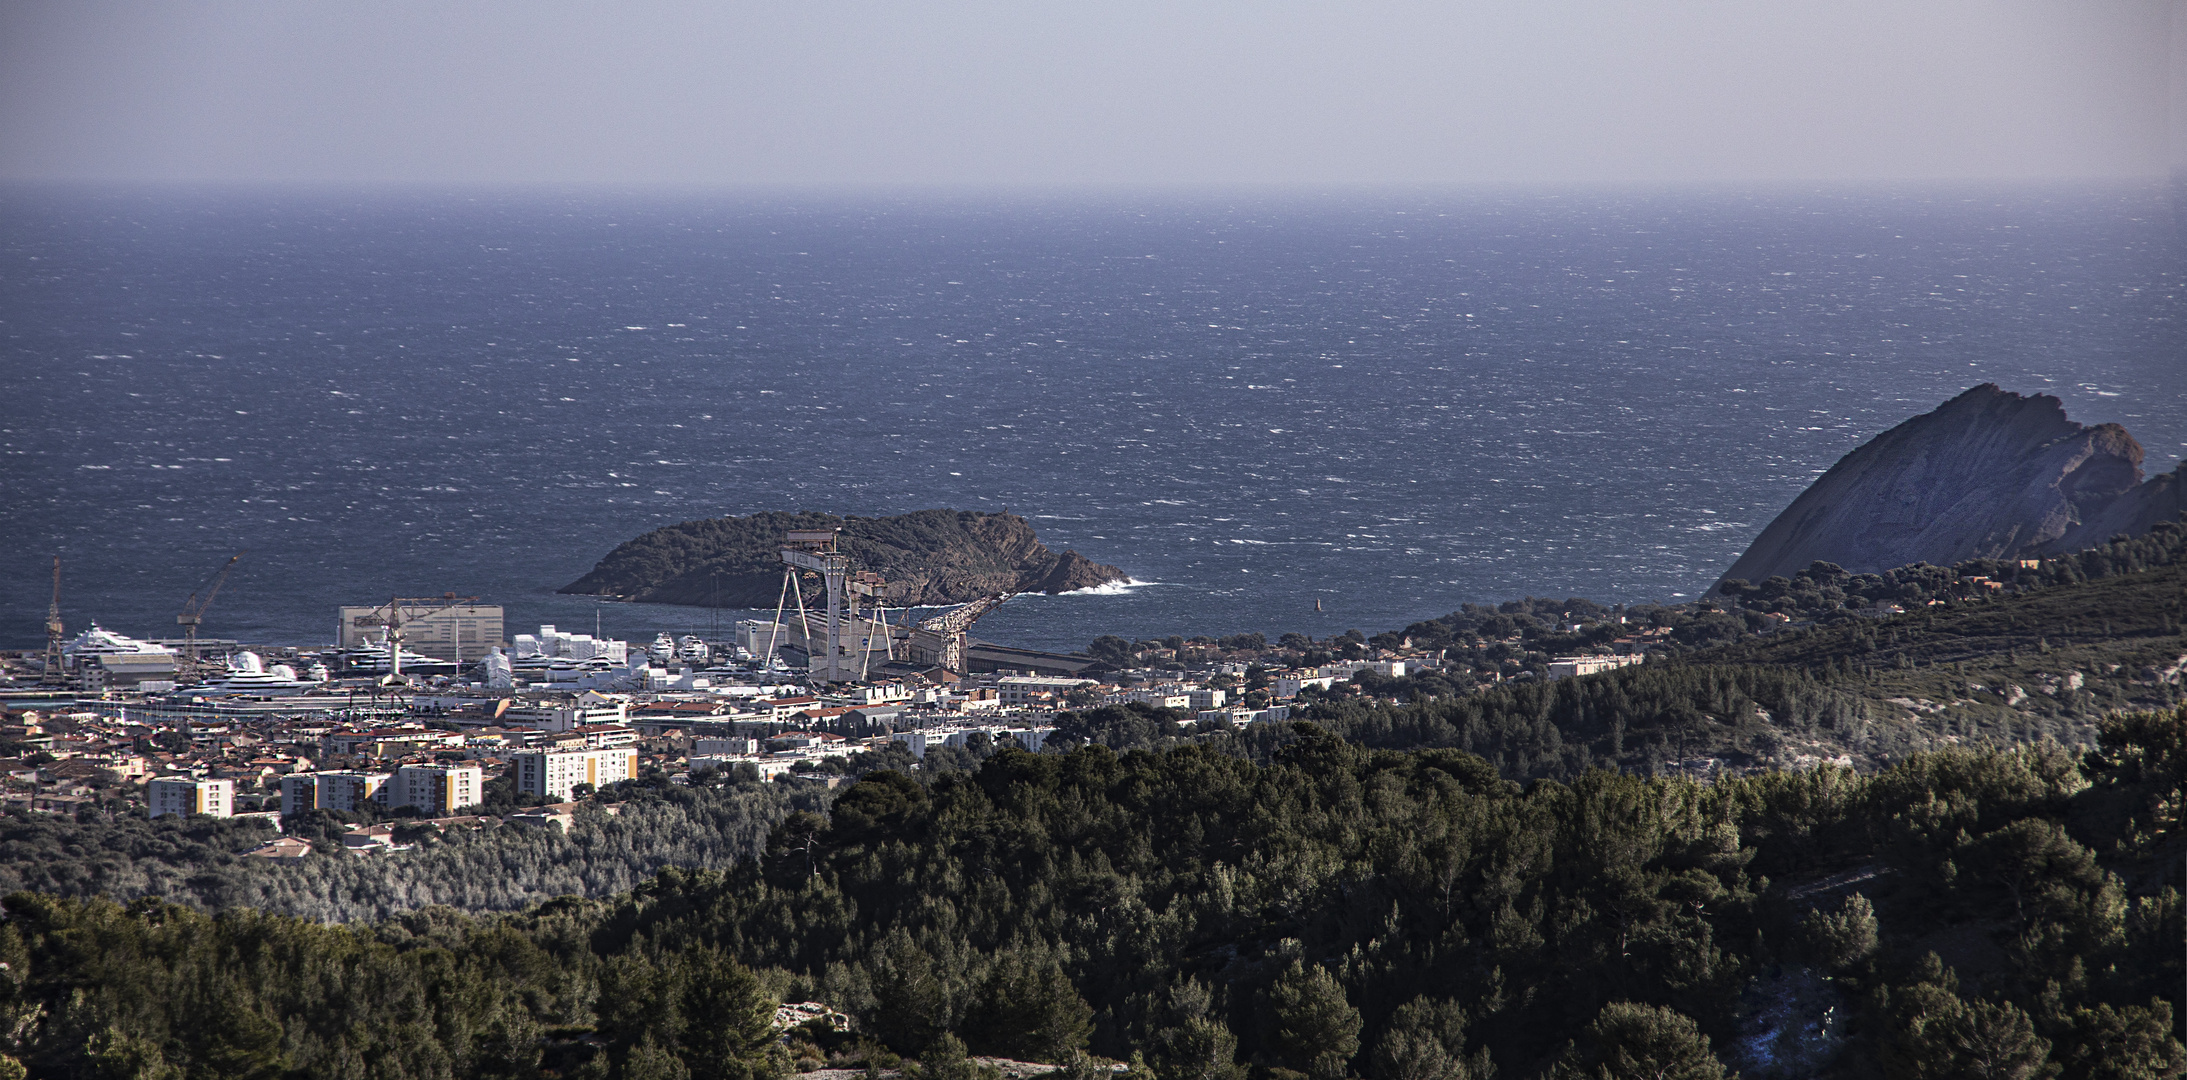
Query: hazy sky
{"type": "Point", "coordinates": [1093, 91]}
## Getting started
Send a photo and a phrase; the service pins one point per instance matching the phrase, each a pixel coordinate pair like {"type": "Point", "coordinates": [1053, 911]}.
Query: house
{"type": "Point", "coordinates": [1566, 667]}
{"type": "Point", "coordinates": [287, 849]}
{"type": "Point", "coordinates": [1289, 686]}
{"type": "Point", "coordinates": [369, 839]}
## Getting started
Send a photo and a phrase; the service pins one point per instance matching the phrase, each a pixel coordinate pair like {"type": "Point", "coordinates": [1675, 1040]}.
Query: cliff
{"type": "Point", "coordinates": [942, 556]}
{"type": "Point", "coordinates": [1988, 474]}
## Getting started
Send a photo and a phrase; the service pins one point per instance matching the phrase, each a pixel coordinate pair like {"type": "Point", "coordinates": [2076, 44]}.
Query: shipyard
{"type": "Point", "coordinates": [417, 704]}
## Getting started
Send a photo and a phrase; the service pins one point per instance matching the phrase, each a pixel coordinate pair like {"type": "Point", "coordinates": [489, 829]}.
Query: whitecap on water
{"type": "Point", "coordinates": [1112, 588]}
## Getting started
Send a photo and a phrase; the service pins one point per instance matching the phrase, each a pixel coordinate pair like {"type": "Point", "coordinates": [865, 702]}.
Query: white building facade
{"type": "Point", "coordinates": [439, 790]}
{"type": "Point", "coordinates": [184, 795]}
{"type": "Point", "coordinates": [554, 774]}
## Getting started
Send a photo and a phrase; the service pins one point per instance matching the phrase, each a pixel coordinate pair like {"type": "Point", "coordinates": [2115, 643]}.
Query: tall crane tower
{"type": "Point", "coordinates": [56, 673]}
{"type": "Point", "coordinates": [413, 608]}
{"type": "Point", "coordinates": [193, 613]}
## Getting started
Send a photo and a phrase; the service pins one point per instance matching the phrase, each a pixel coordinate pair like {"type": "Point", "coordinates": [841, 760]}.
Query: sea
{"type": "Point", "coordinates": [1277, 410]}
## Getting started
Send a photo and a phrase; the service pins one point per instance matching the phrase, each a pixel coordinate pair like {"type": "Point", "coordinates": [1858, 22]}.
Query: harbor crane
{"type": "Point", "coordinates": [193, 613]}
{"type": "Point", "coordinates": [399, 609]}
{"type": "Point", "coordinates": [952, 625]}
{"type": "Point", "coordinates": [56, 673]}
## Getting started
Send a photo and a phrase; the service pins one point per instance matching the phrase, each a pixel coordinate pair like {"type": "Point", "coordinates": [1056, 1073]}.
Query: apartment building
{"type": "Point", "coordinates": [439, 790]}
{"type": "Point", "coordinates": [332, 791]}
{"type": "Point", "coordinates": [186, 795]}
{"type": "Point", "coordinates": [554, 774]}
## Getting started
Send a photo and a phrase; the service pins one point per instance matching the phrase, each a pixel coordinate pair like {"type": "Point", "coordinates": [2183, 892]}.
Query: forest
{"type": "Point", "coordinates": [1939, 842]}
{"type": "Point", "coordinates": [1337, 910]}
{"type": "Point", "coordinates": [198, 860]}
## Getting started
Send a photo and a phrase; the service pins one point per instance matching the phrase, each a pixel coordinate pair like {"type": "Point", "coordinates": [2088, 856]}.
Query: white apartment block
{"type": "Point", "coordinates": [768, 768]}
{"type": "Point", "coordinates": [724, 747]}
{"type": "Point", "coordinates": [439, 790]}
{"type": "Point", "coordinates": [1565, 667]}
{"type": "Point", "coordinates": [332, 791]}
{"type": "Point", "coordinates": [1289, 686]}
{"type": "Point", "coordinates": [1023, 689]}
{"type": "Point", "coordinates": [1161, 699]}
{"type": "Point", "coordinates": [568, 717]}
{"type": "Point", "coordinates": [1206, 698]}
{"type": "Point", "coordinates": [1345, 669]}
{"type": "Point", "coordinates": [185, 795]}
{"type": "Point", "coordinates": [554, 773]}
{"type": "Point", "coordinates": [351, 790]}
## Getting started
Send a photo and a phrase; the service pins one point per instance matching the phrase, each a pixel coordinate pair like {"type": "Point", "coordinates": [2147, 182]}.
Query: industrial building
{"type": "Point", "coordinates": [462, 632]}
{"type": "Point", "coordinates": [147, 672]}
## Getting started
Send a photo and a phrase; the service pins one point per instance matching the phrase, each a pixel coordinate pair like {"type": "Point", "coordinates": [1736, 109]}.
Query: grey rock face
{"type": "Point", "coordinates": [1988, 474]}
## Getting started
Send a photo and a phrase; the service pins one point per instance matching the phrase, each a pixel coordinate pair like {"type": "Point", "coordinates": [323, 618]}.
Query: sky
{"type": "Point", "coordinates": [1122, 92]}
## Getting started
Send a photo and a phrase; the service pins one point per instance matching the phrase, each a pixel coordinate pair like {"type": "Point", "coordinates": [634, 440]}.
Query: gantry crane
{"type": "Point", "coordinates": [414, 608]}
{"type": "Point", "coordinates": [953, 624]}
{"type": "Point", "coordinates": [56, 673]}
{"type": "Point", "coordinates": [815, 550]}
{"type": "Point", "coordinates": [193, 613]}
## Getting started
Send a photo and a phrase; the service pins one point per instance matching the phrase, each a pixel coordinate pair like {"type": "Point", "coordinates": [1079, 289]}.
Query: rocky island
{"type": "Point", "coordinates": [939, 556]}
{"type": "Point", "coordinates": [1988, 474]}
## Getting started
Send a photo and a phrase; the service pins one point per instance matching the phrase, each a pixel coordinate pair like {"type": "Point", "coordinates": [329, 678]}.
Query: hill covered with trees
{"type": "Point", "coordinates": [2066, 644]}
{"type": "Point", "coordinates": [199, 861]}
{"type": "Point", "coordinates": [936, 557]}
{"type": "Point", "coordinates": [1338, 911]}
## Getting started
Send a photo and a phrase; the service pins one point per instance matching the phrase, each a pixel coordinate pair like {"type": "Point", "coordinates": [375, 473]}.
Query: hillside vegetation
{"type": "Point", "coordinates": [2090, 635]}
{"type": "Point", "coordinates": [1339, 911]}
{"type": "Point", "coordinates": [199, 860]}
{"type": "Point", "coordinates": [937, 556]}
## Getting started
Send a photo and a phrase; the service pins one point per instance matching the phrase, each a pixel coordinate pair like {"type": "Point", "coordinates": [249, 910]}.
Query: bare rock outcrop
{"type": "Point", "coordinates": [1988, 474]}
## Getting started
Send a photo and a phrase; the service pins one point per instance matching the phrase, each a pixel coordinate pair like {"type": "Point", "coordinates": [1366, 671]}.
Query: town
{"type": "Point", "coordinates": [556, 717]}
{"type": "Point", "coordinates": [425, 711]}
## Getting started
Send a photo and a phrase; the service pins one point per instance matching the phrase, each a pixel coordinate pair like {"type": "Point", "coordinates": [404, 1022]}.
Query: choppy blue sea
{"type": "Point", "coordinates": [1390, 403]}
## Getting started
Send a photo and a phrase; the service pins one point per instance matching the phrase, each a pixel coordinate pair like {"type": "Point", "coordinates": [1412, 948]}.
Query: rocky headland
{"type": "Point", "coordinates": [1988, 474]}
{"type": "Point", "coordinates": [936, 556]}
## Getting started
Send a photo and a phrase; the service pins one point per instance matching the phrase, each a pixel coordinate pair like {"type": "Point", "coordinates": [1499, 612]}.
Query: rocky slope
{"type": "Point", "coordinates": [1988, 474]}
{"type": "Point", "coordinates": [939, 556]}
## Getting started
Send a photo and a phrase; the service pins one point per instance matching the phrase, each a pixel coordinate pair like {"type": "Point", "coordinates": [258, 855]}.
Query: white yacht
{"type": "Point", "coordinates": [372, 657]}
{"type": "Point", "coordinates": [248, 675]}
{"type": "Point", "coordinates": [99, 641]}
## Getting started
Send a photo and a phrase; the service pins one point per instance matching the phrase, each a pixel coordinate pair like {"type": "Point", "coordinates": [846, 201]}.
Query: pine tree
{"type": "Point", "coordinates": [1317, 1029]}
{"type": "Point", "coordinates": [1629, 1041]}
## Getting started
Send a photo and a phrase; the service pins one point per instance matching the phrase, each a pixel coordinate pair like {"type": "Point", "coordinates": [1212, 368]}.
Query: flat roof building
{"type": "Point", "coordinates": [438, 789]}
{"type": "Point", "coordinates": [184, 795]}
{"type": "Point", "coordinates": [554, 774]}
{"type": "Point", "coordinates": [460, 633]}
